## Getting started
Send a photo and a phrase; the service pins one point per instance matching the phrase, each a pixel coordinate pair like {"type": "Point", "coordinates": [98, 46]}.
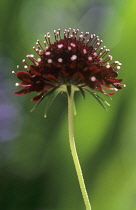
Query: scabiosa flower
{"type": "Point", "coordinates": [74, 59]}
{"type": "Point", "coordinates": [73, 62]}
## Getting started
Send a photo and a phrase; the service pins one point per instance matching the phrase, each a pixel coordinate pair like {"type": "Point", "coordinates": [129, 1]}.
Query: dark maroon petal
{"type": "Point", "coordinates": [37, 97]}
{"type": "Point", "coordinates": [23, 91]}
{"type": "Point", "coordinates": [34, 70]}
{"type": "Point", "coordinates": [24, 76]}
{"type": "Point", "coordinates": [114, 80]}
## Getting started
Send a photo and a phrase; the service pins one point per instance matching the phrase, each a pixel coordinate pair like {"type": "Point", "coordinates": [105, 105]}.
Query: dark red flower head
{"type": "Point", "coordinates": [74, 59]}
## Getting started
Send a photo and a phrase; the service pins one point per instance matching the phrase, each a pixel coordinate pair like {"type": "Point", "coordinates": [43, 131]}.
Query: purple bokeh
{"type": "Point", "coordinates": [10, 119]}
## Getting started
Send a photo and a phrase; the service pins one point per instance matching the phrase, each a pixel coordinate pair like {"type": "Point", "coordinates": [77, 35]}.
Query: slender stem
{"type": "Point", "coordinates": [73, 149]}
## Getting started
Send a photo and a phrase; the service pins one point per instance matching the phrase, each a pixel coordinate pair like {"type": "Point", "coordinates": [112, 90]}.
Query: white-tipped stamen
{"type": "Point", "coordinates": [74, 57]}
{"type": "Point", "coordinates": [47, 53]}
{"type": "Point", "coordinates": [72, 44]}
{"type": "Point", "coordinates": [107, 65]}
{"type": "Point", "coordinates": [60, 46]}
{"type": "Point", "coordinates": [90, 58]}
{"type": "Point", "coordinates": [39, 59]}
{"type": "Point", "coordinates": [18, 67]}
{"type": "Point", "coordinates": [69, 48]}
{"type": "Point", "coordinates": [17, 84]}
{"type": "Point", "coordinates": [84, 51]}
{"type": "Point", "coordinates": [60, 60]}
{"type": "Point", "coordinates": [25, 67]}
{"type": "Point", "coordinates": [49, 61]}
{"type": "Point", "coordinates": [59, 33]}
{"type": "Point", "coordinates": [93, 79]}
{"type": "Point", "coordinates": [118, 67]}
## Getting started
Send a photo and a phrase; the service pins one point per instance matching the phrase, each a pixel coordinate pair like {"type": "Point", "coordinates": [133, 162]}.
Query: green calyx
{"type": "Point", "coordinates": [67, 88]}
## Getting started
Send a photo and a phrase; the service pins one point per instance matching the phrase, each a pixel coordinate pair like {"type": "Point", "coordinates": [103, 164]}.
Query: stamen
{"type": "Point", "coordinates": [74, 57]}
{"type": "Point", "coordinates": [59, 33]}
{"type": "Point", "coordinates": [17, 84]}
{"type": "Point", "coordinates": [95, 41]}
{"type": "Point", "coordinates": [23, 61]}
{"type": "Point", "coordinates": [118, 67]}
{"type": "Point", "coordinates": [55, 34]}
{"type": "Point", "coordinates": [73, 32]}
{"type": "Point", "coordinates": [25, 67]}
{"type": "Point", "coordinates": [107, 59]}
{"type": "Point", "coordinates": [39, 59]}
{"type": "Point", "coordinates": [60, 60]}
{"type": "Point", "coordinates": [72, 44]}
{"type": "Point", "coordinates": [80, 36]}
{"type": "Point", "coordinates": [31, 57]}
{"type": "Point", "coordinates": [69, 48]}
{"type": "Point", "coordinates": [104, 53]}
{"type": "Point", "coordinates": [60, 46]}
{"type": "Point", "coordinates": [115, 63]}
{"type": "Point", "coordinates": [90, 58]}
{"type": "Point", "coordinates": [93, 79]}
{"type": "Point", "coordinates": [36, 50]}
{"type": "Point", "coordinates": [18, 67]}
{"type": "Point", "coordinates": [65, 36]}
{"type": "Point", "coordinates": [47, 53]}
{"type": "Point", "coordinates": [107, 65]}
{"type": "Point", "coordinates": [77, 32]}
{"type": "Point", "coordinates": [90, 39]}
{"type": "Point", "coordinates": [84, 51]}
{"type": "Point", "coordinates": [101, 50]}
{"type": "Point", "coordinates": [39, 45]}
{"type": "Point", "coordinates": [49, 61]}
{"type": "Point", "coordinates": [47, 41]}
{"type": "Point", "coordinates": [48, 36]}
{"type": "Point", "coordinates": [95, 54]}
{"type": "Point", "coordinates": [68, 32]}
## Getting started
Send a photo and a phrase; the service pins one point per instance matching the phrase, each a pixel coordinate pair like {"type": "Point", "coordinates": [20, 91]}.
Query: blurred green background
{"type": "Point", "coordinates": [36, 167]}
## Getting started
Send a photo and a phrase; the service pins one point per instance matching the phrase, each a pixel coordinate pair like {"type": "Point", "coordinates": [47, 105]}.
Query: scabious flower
{"type": "Point", "coordinates": [73, 62]}
{"type": "Point", "coordinates": [74, 59]}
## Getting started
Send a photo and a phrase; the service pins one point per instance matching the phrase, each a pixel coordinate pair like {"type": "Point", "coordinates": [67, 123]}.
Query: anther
{"type": "Point", "coordinates": [90, 58]}
{"type": "Point", "coordinates": [84, 51]}
{"type": "Point", "coordinates": [60, 46]}
{"type": "Point", "coordinates": [107, 65]}
{"type": "Point", "coordinates": [69, 48]}
{"type": "Point", "coordinates": [59, 33]}
{"type": "Point", "coordinates": [47, 53]}
{"type": "Point", "coordinates": [60, 60]}
{"type": "Point", "coordinates": [17, 84]}
{"type": "Point", "coordinates": [74, 57]}
{"type": "Point", "coordinates": [93, 79]}
{"type": "Point", "coordinates": [49, 61]}
{"type": "Point", "coordinates": [18, 67]}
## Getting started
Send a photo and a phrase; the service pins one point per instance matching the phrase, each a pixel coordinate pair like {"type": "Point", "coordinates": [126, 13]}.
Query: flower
{"type": "Point", "coordinates": [72, 59]}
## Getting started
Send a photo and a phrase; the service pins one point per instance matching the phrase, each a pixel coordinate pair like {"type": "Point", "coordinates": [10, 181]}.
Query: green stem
{"type": "Point", "coordinates": [73, 149]}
